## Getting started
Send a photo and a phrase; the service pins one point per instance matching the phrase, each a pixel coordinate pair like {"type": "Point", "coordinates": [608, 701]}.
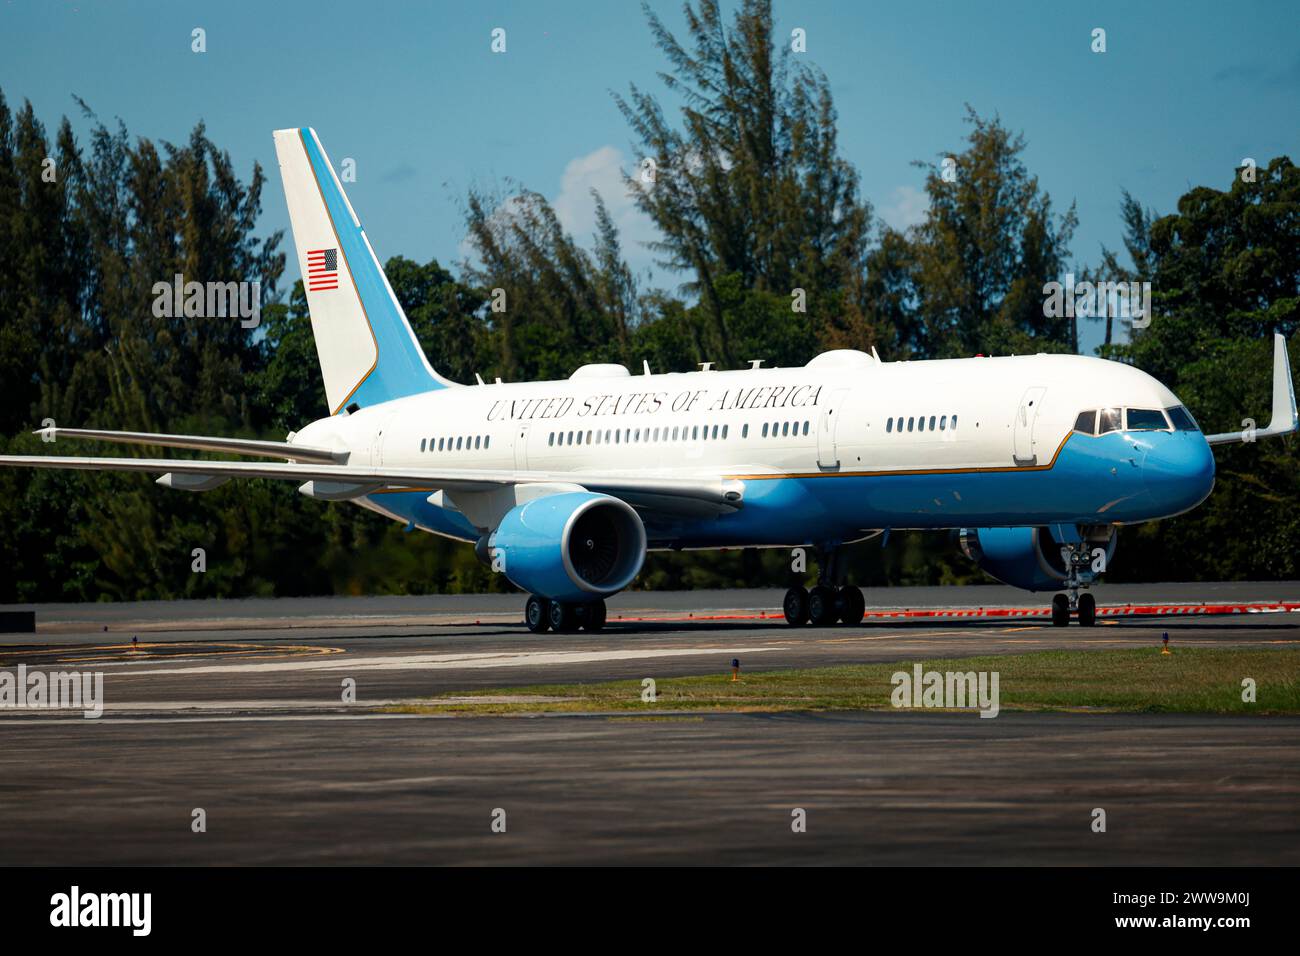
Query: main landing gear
{"type": "Point", "coordinates": [829, 601]}
{"type": "Point", "coordinates": [564, 617]}
{"type": "Point", "coordinates": [1079, 574]}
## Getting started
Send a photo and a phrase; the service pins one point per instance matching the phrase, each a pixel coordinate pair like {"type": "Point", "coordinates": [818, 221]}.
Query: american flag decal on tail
{"type": "Point", "coordinates": [322, 269]}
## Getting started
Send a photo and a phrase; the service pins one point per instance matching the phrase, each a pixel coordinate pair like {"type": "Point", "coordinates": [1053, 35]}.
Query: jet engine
{"type": "Point", "coordinates": [1030, 558]}
{"type": "Point", "coordinates": [572, 546]}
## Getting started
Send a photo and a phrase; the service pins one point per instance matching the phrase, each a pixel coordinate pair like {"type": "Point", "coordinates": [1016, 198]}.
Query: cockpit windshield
{"type": "Point", "coordinates": [1100, 421]}
{"type": "Point", "coordinates": [1182, 419]}
{"type": "Point", "coordinates": [1146, 420]}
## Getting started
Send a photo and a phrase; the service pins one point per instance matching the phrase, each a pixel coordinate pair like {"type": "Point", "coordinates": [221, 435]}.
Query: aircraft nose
{"type": "Point", "coordinates": [1178, 471]}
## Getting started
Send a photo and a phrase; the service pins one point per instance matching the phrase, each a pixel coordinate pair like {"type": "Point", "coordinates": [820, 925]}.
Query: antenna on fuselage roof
{"type": "Point", "coordinates": [874, 354]}
{"type": "Point", "coordinates": [706, 366]}
{"type": "Point", "coordinates": [479, 378]}
{"type": "Point", "coordinates": [645, 365]}
{"type": "Point", "coordinates": [756, 363]}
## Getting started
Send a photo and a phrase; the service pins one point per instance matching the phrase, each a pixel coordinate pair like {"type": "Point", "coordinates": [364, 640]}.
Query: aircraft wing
{"type": "Point", "coordinates": [236, 446]}
{"type": "Point", "coordinates": [1284, 412]}
{"type": "Point", "coordinates": [344, 482]}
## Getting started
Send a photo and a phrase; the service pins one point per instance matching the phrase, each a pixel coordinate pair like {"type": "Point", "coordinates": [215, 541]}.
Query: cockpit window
{"type": "Point", "coordinates": [1146, 420]}
{"type": "Point", "coordinates": [1086, 422]}
{"type": "Point", "coordinates": [1182, 419]}
{"type": "Point", "coordinates": [1108, 420]}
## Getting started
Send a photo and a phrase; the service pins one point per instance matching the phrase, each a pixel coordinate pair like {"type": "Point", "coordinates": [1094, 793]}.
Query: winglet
{"type": "Point", "coordinates": [1284, 412]}
{"type": "Point", "coordinates": [1283, 421]}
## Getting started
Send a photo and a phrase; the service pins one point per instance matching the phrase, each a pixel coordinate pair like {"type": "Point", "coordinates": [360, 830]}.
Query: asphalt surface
{"type": "Point", "coordinates": [235, 707]}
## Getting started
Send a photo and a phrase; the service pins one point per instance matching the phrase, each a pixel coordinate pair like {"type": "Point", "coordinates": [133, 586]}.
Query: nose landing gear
{"type": "Point", "coordinates": [1079, 575]}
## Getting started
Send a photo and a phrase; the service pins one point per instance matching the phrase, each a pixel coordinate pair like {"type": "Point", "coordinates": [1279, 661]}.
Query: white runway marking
{"type": "Point", "coordinates": [453, 661]}
{"type": "Point", "coordinates": [218, 719]}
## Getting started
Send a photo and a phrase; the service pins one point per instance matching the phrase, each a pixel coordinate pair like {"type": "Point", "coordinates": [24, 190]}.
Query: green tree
{"type": "Point", "coordinates": [749, 190]}
{"type": "Point", "coordinates": [561, 306]}
{"type": "Point", "coordinates": [969, 278]}
{"type": "Point", "coordinates": [1226, 274]}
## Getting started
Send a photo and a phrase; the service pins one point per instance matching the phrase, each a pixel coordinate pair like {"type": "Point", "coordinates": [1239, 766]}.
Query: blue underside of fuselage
{"type": "Point", "coordinates": [1120, 478]}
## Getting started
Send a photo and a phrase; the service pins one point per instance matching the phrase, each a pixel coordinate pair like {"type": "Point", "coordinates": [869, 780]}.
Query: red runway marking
{"type": "Point", "coordinates": [1125, 610]}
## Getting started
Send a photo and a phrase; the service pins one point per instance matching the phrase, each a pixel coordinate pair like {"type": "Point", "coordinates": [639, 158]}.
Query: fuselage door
{"type": "Point", "coordinates": [521, 446]}
{"type": "Point", "coordinates": [827, 452]}
{"type": "Point", "coordinates": [377, 442]}
{"type": "Point", "coordinates": [1022, 452]}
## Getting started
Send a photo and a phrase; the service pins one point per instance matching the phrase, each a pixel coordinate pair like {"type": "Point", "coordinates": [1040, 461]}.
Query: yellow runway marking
{"type": "Point", "coordinates": [120, 653]}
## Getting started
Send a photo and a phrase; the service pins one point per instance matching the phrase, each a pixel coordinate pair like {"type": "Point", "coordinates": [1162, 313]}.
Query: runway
{"type": "Point", "coordinates": [237, 708]}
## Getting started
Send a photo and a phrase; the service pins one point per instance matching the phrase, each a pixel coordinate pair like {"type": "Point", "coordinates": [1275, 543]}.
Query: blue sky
{"type": "Point", "coordinates": [413, 93]}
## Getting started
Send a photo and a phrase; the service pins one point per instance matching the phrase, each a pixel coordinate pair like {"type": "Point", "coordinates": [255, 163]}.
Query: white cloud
{"type": "Point", "coordinates": [601, 170]}
{"type": "Point", "coordinates": [906, 207]}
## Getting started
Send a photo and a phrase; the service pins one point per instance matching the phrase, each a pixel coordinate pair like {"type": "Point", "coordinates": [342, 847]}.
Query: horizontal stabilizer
{"type": "Point", "coordinates": [234, 446]}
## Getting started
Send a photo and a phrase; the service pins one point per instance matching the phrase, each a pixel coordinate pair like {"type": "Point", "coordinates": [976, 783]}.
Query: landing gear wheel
{"type": "Point", "coordinates": [823, 609]}
{"type": "Point", "coordinates": [562, 617]}
{"type": "Point", "coordinates": [537, 614]}
{"type": "Point", "coordinates": [593, 616]}
{"type": "Point", "coordinates": [1060, 610]}
{"type": "Point", "coordinates": [1087, 610]}
{"type": "Point", "coordinates": [852, 605]}
{"type": "Point", "coordinates": [796, 606]}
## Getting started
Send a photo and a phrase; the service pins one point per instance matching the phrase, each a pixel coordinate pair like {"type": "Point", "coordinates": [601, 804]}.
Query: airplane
{"type": "Point", "coordinates": [1033, 461]}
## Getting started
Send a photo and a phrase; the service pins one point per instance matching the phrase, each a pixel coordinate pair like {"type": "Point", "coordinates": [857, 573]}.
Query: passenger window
{"type": "Point", "coordinates": [805, 428]}
{"type": "Point", "coordinates": [724, 431]}
{"type": "Point", "coordinates": [486, 440]}
{"type": "Point", "coordinates": [1146, 420]}
{"type": "Point", "coordinates": [459, 439]}
{"type": "Point", "coordinates": [889, 424]}
{"type": "Point", "coordinates": [715, 432]}
{"type": "Point", "coordinates": [478, 441]}
{"type": "Point", "coordinates": [943, 423]}
{"type": "Point", "coordinates": [1086, 422]}
{"type": "Point", "coordinates": [440, 443]}
{"type": "Point", "coordinates": [910, 423]}
{"type": "Point", "coordinates": [785, 429]}
{"type": "Point", "coordinates": [931, 423]}
{"type": "Point", "coordinates": [764, 429]}
{"type": "Point", "coordinates": [421, 444]}
{"type": "Point", "coordinates": [1108, 420]}
{"type": "Point", "coordinates": [920, 424]}
{"type": "Point", "coordinates": [695, 432]}
{"type": "Point", "coordinates": [744, 430]}
{"type": "Point", "coordinates": [954, 423]}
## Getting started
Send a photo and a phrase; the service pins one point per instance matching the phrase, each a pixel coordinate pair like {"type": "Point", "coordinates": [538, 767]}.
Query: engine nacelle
{"type": "Point", "coordinates": [573, 546]}
{"type": "Point", "coordinates": [1028, 558]}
